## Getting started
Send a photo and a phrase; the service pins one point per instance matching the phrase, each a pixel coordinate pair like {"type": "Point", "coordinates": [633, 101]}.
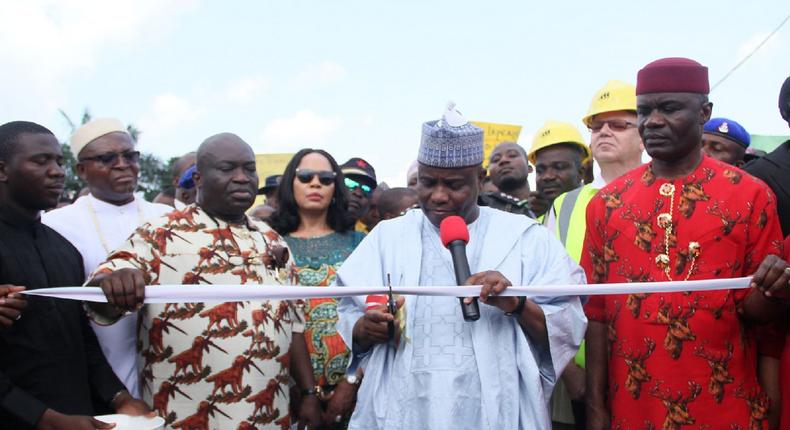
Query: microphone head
{"type": "Point", "coordinates": [453, 228]}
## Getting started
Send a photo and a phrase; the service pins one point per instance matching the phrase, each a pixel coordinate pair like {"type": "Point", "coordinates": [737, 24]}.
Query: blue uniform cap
{"type": "Point", "coordinates": [730, 129]}
{"type": "Point", "coordinates": [185, 181]}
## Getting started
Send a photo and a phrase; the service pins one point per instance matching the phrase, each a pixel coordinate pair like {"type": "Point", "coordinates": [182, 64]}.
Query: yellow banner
{"type": "Point", "coordinates": [267, 165]}
{"type": "Point", "coordinates": [496, 134]}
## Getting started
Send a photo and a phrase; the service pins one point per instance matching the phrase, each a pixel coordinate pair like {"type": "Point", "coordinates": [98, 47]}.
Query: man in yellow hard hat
{"type": "Point", "coordinates": [559, 155]}
{"type": "Point", "coordinates": [617, 148]}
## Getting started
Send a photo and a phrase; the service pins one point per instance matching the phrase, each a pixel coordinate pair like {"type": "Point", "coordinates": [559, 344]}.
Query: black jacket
{"type": "Point", "coordinates": [49, 358]}
{"type": "Point", "coordinates": [774, 170]}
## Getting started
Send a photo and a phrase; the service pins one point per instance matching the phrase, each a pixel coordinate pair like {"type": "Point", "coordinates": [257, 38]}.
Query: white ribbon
{"type": "Point", "coordinates": [249, 292]}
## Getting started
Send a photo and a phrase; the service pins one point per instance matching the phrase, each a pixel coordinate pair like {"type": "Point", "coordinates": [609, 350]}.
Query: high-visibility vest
{"type": "Point", "coordinates": [570, 210]}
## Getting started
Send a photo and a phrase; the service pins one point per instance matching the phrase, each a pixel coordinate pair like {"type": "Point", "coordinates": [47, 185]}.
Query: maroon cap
{"type": "Point", "coordinates": [673, 75]}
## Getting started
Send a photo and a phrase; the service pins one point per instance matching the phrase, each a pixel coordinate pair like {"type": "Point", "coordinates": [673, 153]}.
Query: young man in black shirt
{"type": "Point", "coordinates": [51, 366]}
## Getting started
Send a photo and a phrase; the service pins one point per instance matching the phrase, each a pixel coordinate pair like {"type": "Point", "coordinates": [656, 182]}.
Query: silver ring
{"type": "Point", "coordinates": [18, 317]}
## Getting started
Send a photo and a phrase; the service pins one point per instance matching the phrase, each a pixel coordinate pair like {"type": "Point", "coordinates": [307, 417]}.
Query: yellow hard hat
{"type": "Point", "coordinates": [553, 133]}
{"type": "Point", "coordinates": [614, 96]}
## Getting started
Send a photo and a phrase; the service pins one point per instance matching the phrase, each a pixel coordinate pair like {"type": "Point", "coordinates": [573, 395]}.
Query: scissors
{"type": "Point", "coordinates": [393, 309]}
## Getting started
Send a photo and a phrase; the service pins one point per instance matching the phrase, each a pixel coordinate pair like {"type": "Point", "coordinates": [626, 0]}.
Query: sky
{"type": "Point", "coordinates": [358, 78]}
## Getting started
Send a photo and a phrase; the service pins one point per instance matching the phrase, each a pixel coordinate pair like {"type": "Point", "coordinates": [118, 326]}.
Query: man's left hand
{"type": "Point", "coordinates": [125, 404]}
{"type": "Point", "coordinates": [309, 413]}
{"type": "Point", "coordinates": [340, 403]}
{"type": "Point", "coordinates": [772, 278]}
{"type": "Point", "coordinates": [494, 283]}
{"type": "Point", "coordinates": [11, 305]}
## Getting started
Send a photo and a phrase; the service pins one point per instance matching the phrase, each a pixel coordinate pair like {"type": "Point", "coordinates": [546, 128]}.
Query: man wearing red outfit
{"type": "Point", "coordinates": [679, 359]}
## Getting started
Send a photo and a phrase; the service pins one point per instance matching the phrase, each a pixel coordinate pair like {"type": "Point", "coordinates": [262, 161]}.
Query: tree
{"type": "Point", "coordinates": [154, 174]}
{"type": "Point", "coordinates": [73, 182]}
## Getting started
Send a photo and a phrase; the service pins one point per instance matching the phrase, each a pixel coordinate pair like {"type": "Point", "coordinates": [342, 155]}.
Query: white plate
{"type": "Point", "coordinates": [126, 422]}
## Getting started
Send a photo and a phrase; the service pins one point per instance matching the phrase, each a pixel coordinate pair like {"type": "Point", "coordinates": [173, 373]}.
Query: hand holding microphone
{"type": "Point", "coordinates": [455, 236]}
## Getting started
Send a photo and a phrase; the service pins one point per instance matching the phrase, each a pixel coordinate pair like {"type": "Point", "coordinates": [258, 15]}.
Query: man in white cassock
{"type": "Point", "coordinates": [98, 223]}
{"type": "Point", "coordinates": [441, 372]}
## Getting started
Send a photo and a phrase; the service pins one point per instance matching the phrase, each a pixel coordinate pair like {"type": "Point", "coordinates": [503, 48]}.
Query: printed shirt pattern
{"type": "Point", "coordinates": [680, 359]}
{"type": "Point", "coordinates": [213, 365]}
{"type": "Point", "coordinates": [317, 260]}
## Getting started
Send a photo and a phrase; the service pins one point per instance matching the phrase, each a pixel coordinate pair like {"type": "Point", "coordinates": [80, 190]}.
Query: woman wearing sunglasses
{"type": "Point", "coordinates": [313, 218]}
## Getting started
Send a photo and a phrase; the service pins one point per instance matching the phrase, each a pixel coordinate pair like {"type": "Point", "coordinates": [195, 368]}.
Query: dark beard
{"type": "Point", "coordinates": [510, 183]}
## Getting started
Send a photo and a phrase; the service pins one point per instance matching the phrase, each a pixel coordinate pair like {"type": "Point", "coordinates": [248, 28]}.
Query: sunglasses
{"type": "Point", "coordinates": [325, 177]}
{"type": "Point", "coordinates": [353, 185]}
{"type": "Point", "coordinates": [614, 125]}
{"type": "Point", "coordinates": [110, 158]}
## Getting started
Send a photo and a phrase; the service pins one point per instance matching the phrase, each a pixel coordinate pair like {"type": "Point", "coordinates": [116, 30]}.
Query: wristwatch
{"type": "Point", "coordinates": [314, 391]}
{"type": "Point", "coordinates": [353, 379]}
{"type": "Point", "coordinates": [116, 396]}
{"type": "Point", "coordinates": [519, 307]}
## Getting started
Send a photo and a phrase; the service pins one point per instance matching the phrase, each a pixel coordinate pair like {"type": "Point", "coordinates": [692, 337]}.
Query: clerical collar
{"type": "Point", "coordinates": [17, 218]}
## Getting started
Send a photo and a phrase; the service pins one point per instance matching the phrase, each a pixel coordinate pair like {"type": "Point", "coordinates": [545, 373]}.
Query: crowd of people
{"type": "Point", "coordinates": [706, 206]}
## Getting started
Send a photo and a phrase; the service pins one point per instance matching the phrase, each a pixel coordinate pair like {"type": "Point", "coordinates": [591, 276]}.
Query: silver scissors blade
{"type": "Point", "coordinates": [392, 307]}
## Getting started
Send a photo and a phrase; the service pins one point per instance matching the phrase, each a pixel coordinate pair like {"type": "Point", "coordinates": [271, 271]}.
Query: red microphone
{"type": "Point", "coordinates": [455, 236]}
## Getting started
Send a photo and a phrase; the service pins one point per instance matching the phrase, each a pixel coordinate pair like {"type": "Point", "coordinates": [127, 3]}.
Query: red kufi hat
{"type": "Point", "coordinates": [673, 75]}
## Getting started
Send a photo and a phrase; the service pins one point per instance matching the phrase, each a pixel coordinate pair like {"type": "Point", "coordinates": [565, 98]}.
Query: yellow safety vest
{"type": "Point", "coordinates": [570, 211]}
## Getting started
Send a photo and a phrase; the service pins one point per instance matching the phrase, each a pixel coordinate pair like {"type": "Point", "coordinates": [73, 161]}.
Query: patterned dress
{"type": "Point", "coordinates": [212, 365]}
{"type": "Point", "coordinates": [317, 260]}
{"type": "Point", "coordinates": [680, 359]}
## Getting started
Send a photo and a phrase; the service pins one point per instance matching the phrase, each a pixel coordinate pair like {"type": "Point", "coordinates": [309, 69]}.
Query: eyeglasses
{"type": "Point", "coordinates": [325, 177]}
{"type": "Point", "coordinates": [614, 125]}
{"type": "Point", "coordinates": [353, 185]}
{"type": "Point", "coordinates": [110, 158]}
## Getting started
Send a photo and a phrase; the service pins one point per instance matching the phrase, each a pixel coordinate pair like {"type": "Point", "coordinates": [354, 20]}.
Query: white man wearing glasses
{"type": "Point", "coordinates": [360, 179]}
{"type": "Point", "coordinates": [617, 148]}
{"type": "Point", "coordinates": [101, 221]}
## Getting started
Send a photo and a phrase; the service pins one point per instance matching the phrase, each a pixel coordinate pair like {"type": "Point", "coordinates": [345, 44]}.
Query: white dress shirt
{"type": "Point", "coordinates": [92, 225]}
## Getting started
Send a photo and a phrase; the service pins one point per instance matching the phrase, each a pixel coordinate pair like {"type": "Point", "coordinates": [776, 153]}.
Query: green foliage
{"type": "Point", "coordinates": [73, 182]}
{"type": "Point", "coordinates": [154, 175]}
